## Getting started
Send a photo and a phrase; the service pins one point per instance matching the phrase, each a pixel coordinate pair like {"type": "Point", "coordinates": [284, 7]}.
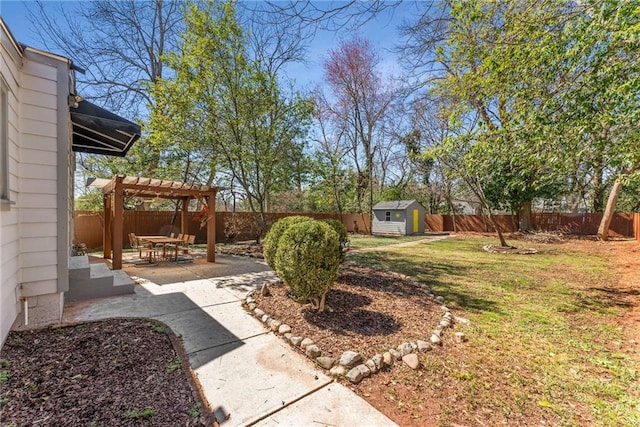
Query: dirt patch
{"type": "Point", "coordinates": [118, 372]}
{"type": "Point", "coordinates": [626, 256]}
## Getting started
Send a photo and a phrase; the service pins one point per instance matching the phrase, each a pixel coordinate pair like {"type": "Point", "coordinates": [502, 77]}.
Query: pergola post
{"type": "Point", "coordinates": [106, 232]}
{"type": "Point", "coordinates": [211, 225]}
{"type": "Point", "coordinates": [118, 213]}
{"type": "Point", "coordinates": [184, 221]}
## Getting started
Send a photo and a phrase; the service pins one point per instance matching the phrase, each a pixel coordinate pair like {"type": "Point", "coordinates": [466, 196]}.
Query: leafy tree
{"type": "Point", "coordinates": [498, 64]}
{"type": "Point", "coordinates": [232, 98]}
{"type": "Point", "coordinates": [603, 103]}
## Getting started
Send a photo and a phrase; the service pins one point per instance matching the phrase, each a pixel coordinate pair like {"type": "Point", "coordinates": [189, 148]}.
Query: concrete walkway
{"type": "Point", "coordinates": [248, 374]}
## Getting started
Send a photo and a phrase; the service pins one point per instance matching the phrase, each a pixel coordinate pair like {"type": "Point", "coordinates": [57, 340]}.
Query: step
{"type": "Point", "coordinates": [102, 283]}
{"type": "Point", "coordinates": [99, 271]}
{"type": "Point", "coordinates": [122, 282]}
{"type": "Point", "coordinates": [79, 267]}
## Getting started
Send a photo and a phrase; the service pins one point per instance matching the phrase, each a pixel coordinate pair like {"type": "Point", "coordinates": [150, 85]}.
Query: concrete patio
{"type": "Point", "coordinates": [248, 375]}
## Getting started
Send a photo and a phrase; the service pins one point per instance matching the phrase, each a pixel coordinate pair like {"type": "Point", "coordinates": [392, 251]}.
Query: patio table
{"type": "Point", "coordinates": [164, 241]}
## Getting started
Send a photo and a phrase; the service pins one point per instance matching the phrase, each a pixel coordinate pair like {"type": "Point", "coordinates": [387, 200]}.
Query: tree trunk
{"type": "Point", "coordinates": [495, 226]}
{"type": "Point", "coordinates": [453, 210]}
{"type": "Point", "coordinates": [525, 217]}
{"type": "Point", "coordinates": [603, 230]}
{"type": "Point", "coordinates": [321, 304]}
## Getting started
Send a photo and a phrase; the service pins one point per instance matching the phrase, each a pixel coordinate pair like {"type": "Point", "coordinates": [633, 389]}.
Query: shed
{"type": "Point", "coordinates": [401, 217]}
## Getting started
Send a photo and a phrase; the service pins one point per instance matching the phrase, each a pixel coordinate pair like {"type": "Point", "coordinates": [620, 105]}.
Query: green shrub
{"type": "Point", "coordinates": [270, 242]}
{"type": "Point", "coordinates": [307, 260]}
{"type": "Point", "coordinates": [343, 237]}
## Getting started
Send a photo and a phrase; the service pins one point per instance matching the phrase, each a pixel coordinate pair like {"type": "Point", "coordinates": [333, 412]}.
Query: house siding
{"type": "Point", "coordinates": [39, 210]}
{"type": "Point", "coordinates": [35, 241]}
{"type": "Point", "coordinates": [9, 227]}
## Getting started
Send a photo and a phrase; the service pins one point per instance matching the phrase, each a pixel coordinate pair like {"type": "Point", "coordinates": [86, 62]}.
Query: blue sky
{"type": "Point", "coordinates": [382, 34]}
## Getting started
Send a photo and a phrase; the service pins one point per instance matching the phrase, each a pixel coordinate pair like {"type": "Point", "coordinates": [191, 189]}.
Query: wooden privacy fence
{"type": "Point", "coordinates": [89, 225]}
{"type": "Point", "coordinates": [565, 223]}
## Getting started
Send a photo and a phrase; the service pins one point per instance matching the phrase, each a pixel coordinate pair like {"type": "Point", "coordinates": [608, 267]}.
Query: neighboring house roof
{"type": "Point", "coordinates": [394, 204]}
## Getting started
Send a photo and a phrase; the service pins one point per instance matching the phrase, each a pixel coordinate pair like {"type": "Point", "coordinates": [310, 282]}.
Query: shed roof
{"type": "Point", "coordinates": [394, 204]}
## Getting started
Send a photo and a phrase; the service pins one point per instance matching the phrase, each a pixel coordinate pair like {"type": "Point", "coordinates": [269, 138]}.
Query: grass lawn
{"type": "Point", "coordinates": [358, 241]}
{"type": "Point", "coordinates": [545, 342]}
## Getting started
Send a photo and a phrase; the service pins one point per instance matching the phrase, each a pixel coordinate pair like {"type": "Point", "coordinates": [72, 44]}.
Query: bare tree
{"type": "Point", "coordinates": [119, 43]}
{"type": "Point", "coordinates": [359, 104]}
{"type": "Point", "coordinates": [330, 147]}
{"type": "Point", "coordinates": [328, 15]}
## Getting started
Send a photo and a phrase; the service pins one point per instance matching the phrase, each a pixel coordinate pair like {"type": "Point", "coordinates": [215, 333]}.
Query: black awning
{"type": "Point", "coordinates": [98, 131]}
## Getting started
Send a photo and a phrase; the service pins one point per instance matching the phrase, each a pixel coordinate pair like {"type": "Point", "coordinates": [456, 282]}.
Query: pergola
{"type": "Point", "coordinates": [115, 191]}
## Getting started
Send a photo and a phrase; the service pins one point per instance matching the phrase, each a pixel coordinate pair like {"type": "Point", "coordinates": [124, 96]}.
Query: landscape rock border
{"type": "Point", "coordinates": [351, 364]}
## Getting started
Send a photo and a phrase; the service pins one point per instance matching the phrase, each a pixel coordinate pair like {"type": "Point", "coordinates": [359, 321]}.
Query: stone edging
{"type": "Point", "coordinates": [351, 364]}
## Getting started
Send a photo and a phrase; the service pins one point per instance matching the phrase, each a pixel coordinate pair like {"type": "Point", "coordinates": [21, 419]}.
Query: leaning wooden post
{"type": "Point", "coordinates": [210, 198]}
{"type": "Point", "coordinates": [184, 222]}
{"type": "Point", "coordinates": [118, 213]}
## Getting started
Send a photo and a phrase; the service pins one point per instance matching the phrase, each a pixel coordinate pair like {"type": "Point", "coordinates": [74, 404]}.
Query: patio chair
{"type": "Point", "coordinates": [151, 254]}
{"type": "Point", "coordinates": [189, 240]}
{"type": "Point", "coordinates": [176, 246]}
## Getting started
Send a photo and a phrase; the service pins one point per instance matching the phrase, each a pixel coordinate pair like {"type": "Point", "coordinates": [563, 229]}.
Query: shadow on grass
{"type": "Point", "coordinates": [606, 297]}
{"type": "Point", "coordinates": [437, 275]}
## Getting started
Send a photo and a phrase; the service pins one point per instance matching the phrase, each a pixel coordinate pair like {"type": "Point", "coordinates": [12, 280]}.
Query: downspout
{"type": "Point", "coordinates": [25, 310]}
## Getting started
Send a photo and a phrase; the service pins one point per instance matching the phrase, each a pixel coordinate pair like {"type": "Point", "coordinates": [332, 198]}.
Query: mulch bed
{"type": "Point", "coordinates": [250, 249]}
{"type": "Point", "coordinates": [371, 311]}
{"type": "Point", "coordinates": [117, 372]}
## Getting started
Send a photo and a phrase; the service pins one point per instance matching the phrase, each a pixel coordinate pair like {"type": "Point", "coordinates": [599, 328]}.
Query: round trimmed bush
{"type": "Point", "coordinates": [343, 237]}
{"type": "Point", "coordinates": [307, 260]}
{"type": "Point", "coordinates": [271, 239]}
